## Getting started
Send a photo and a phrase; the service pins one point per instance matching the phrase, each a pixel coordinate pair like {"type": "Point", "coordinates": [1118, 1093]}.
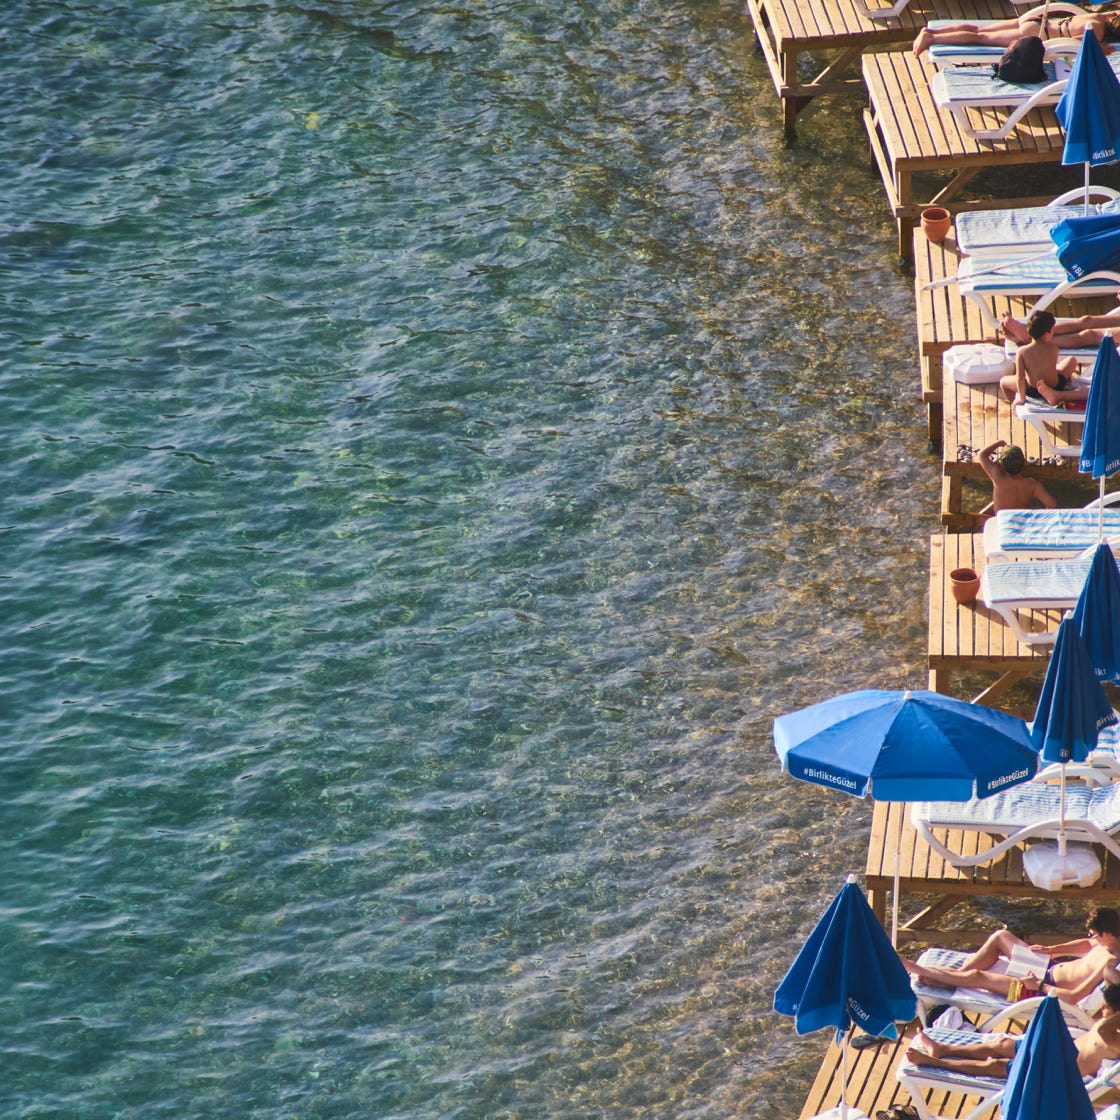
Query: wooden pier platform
{"type": "Point", "coordinates": [911, 137]}
{"type": "Point", "coordinates": [970, 417]}
{"type": "Point", "coordinates": [942, 886]}
{"type": "Point", "coordinates": [970, 638]}
{"type": "Point", "coordinates": [831, 35]}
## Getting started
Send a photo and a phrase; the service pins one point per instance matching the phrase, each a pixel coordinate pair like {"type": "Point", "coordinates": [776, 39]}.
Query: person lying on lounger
{"type": "Point", "coordinates": [1009, 489]}
{"type": "Point", "coordinates": [1082, 330]}
{"type": "Point", "coordinates": [1076, 968]}
{"type": "Point", "coordinates": [1002, 33]}
{"type": "Point", "coordinates": [992, 1056]}
{"type": "Point", "coordinates": [1041, 373]}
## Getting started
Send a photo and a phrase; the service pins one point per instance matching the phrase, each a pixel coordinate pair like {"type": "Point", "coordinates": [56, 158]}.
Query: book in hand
{"type": "Point", "coordinates": [1026, 962]}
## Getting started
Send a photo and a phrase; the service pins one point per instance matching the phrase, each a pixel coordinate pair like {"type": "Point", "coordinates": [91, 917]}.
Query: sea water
{"type": "Point", "coordinates": [438, 439]}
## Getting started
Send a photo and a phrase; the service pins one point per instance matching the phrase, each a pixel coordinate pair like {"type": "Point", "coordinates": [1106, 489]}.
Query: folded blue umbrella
{"type": "Point", "coordinates": [1089, 109]}
{"type": "Point", "coordinates": [1100, 441]}
{"type": "Point", "coordinates": [1043, 1082]}
{"type": "Point", "coordinates": [1072, 706]}
{"type": "Point", "coordinates": [847, 973]}
{"type": "Point", "coordinates": [1097, 615]}
{"type": "Point", "coordinates": [1089, 244]}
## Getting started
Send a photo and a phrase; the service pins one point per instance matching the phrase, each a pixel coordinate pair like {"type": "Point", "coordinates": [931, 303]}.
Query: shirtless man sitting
{"type": "Point", "coordinates": [1010, 490]}
{"type": "Point", "coordinates": [992, 1056]}
{"type": "Point", "coordinates": [1076, 968]}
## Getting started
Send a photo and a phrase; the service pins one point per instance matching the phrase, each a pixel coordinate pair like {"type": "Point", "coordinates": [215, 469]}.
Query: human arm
{"type": "Point", "coordinates": [1076, 948]}
{"type": "Point", "coordinates": [1045, 498]}
{"type": "Point", "coordinates": [988, 464]}
{"type": "Point", "coordinates": [1020, 378]}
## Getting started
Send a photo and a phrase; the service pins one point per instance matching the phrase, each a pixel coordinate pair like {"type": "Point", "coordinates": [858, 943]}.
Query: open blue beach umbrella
{"type": "Point", "coordinates": [1097, 614]}
{"type": "Point", "coordinates": [1088, 244]}
{"type": "Point", "coordinates": [1100, 441]}
{"type": "Point", "coordinates": [1043, 1082]}
{"type": "Point", "coordinates": [847, 974]}
{"type": "Point", "coordinates": [905, 746]}
{"type": "Point", "coordinates": [1089, 110]}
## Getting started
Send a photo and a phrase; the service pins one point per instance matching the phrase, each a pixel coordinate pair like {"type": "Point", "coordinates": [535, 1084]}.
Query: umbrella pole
{"type": "Point", "coordinates": [844, 1082]}
{"type": "Point", "coordinates": [894, 897]}
{"type": "Point", "coordinates": [1062, 817]}
{"type": "Point", "coordinates": [1086, 190]}
{"type": "Point", "coordinates": [1100, 514]}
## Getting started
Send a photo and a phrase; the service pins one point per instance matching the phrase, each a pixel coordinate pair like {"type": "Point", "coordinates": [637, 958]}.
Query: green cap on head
{"type": "Point", "coordinates": [1012, 460]}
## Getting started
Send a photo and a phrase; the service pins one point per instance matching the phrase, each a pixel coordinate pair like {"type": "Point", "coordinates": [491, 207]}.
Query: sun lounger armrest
{"type": "Point", "coordinates": [1023, 1010]}
{"type": "Point", "coordinates": [1062, 289]}
{"type": "Point", "coordinates": [1076, 771]}
{"type": "Point", "coordinates": [1077, 194]}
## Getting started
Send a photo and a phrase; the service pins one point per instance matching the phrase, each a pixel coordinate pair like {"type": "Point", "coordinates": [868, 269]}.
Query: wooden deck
{"type": "Point", "coordinates": [970, 417]}
{"type": "Point", "coordinates": [971, 638]}
{"type": "Point", "coordinates": [910, 137]}
{"type": "Point", "coordinates": [832, 34]}
{"type": "Point", "coordinates": [942, 886]}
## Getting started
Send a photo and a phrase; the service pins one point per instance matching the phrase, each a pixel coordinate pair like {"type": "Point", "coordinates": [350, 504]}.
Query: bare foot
{"type": "Point", "coordinates": [919, 1057]}
{"type": "Point", "coordinates": [931, 1046]}
{"type": "Point", "coordinates": [1013, 328]}
{"type": "Point", "coordinates": [923, 42]}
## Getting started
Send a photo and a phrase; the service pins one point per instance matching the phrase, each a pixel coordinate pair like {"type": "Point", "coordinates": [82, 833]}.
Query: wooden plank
{"type": "Point", "coordinates": [970, 637]}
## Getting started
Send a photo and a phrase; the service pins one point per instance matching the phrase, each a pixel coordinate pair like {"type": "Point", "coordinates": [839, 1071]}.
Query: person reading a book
{"type": "Point", "coordinates": [991, 1055]}
{"type": "Point", "coordinates": [1009, 967]}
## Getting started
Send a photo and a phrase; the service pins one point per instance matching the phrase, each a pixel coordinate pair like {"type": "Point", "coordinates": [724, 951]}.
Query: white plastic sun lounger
{"type": "Point", "coordinates": [923, 1081]}
{"type": "Point", "coordinates": [1041, 416]}
{"type": "Point", "coordinates": [1030, 585]}
{"type": "Point", "coordinates": [1020, 271]}
{"type": "Point", "coordinates": [1027, 812]}
{"type": "Point", "coordinates": [960, 89]}
{"type": "Point", "coordinates": [1032, 534]}
{"type": "Point", "coordinates": [1026, 229]}
{"type": "Point", "coordinates": [989, 1010]}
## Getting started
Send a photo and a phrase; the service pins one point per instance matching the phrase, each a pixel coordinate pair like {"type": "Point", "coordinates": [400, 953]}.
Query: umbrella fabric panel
{"type": "Point", "coordinates": [1072, 706]}
{"type": "Point", "coordinates": [1089, 108]}
{"type": "Point", "coordinates": [1043, 1082]}
{"type": "Point", "coordinates": [1100, 441]}
{"type": "Point", "coordinates": [1097, 615]}
{"type": "Point", "coordinates": [1087, 245]}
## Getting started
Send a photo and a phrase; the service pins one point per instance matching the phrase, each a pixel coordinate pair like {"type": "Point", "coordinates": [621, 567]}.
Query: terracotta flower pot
{"type": "Point", "coordinates": [936, 221]}
{"type": "Point", "coordinates": [965, 583]}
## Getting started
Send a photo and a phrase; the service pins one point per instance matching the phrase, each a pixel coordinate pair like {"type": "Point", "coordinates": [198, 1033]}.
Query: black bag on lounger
{"type": "Point", "coordinates": [1022, 61]}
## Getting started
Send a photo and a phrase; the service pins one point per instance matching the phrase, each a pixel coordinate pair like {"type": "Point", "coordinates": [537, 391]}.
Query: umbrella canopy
{"type": "Point", "coordinates": [1089, 110]}
{"type": "Point", "coordinates": [1089, 244]}
{"type": "Point", "coordinates": [847, 973]}
{"type": "Point", "coordinates": [905, 746]}
{"type": "Point", "coordinates": [1100, 441]}
{"type": "Point", "coordinates": [1097, 615]}
{"type": "Point", "coordinates": [1072, 707]}
{"type": "Point", "coordinates": [1043, 1081]}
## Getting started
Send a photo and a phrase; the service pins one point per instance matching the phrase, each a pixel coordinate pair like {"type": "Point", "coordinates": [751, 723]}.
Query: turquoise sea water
{"type": "Point", "coordinates": [438, 440]}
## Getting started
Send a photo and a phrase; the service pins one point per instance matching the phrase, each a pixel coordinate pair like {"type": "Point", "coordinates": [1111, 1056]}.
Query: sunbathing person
{"type": "Point", "coordinates": [1041, 373]}
{"type": "Point", "coordinates": [992, 1056]}
{"type": "Point", "coordinates": [1076, 968]}
{"type": "Point", "coordinates": [1009, 489]}
{"type": "Point", "coordinates": [1084, 330]}
{"type": "Point", "coordinates": [1002, 33]}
